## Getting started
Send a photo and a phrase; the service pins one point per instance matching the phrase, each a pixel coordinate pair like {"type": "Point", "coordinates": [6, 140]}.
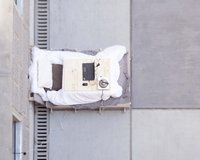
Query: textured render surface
{"type": "Point", "coordinates": [5, 80]}
{"type": "Point", "coordinates": [20, 64]}
{"type": "Point", "coordinates": [166, 134]}
{"type": "Point", "coordinates": [166, 46]}
{"type": "Point", "coordinates": [20, 60]}
{"type": "Point", "coordinates": [92, 25]}
{"type": "Point", "coordinates": [6, 119]}
{"type": "Point", "coordinates": [89, 135]}
{"type": "Point", "coordinates": [14, 46]}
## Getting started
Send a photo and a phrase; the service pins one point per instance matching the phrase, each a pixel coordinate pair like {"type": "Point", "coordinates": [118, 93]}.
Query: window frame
{"type": "Point", "coordinates": [17, 138]}
{"type": "Point", "coordinates": [19, 6]}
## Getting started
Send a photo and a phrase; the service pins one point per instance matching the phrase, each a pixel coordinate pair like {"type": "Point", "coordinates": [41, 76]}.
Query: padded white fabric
{"type": "Point", "coordinates": [44, 69]}
{"type": "Point", "coordinates": [61, 97]}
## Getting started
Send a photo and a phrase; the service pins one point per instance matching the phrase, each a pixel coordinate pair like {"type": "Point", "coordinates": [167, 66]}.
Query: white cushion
{"type": "Point", "coordinates": [44, 72]}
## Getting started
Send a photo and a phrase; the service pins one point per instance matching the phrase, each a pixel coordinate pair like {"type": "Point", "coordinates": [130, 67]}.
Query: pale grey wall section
{"type": "Point", "coordinates": [89, 135]}
{"type": "Point", "coordinates": [5, 79]}
{"type": "Point", "coordinates": [166, 47]}
{"type": "Point", "coordinates": [31, 105]}
{"type": "Point", "coordinates": [14, 46]}
{"type": "Point", "coordinates": [20, 64]}
{"type": "Point", "coordinates": [166, 63]}
{"type": "Point", "coordinates": [6, 119]}
{"type": "Point", "coordinates": [89, 25]}
{"type": "Point", "coordinates": [166, 134]}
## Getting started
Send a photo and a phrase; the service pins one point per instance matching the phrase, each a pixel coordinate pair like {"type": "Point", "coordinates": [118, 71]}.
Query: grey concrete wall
{"type": "Point", "coordinates": [166, 134]}
{"type": "Point", "coordinates": [88, 135]}
{"type": "Point", "coordinates": [166, 46]}
{"type": "Point", "coordinates": [89, 25]}
{"type": "Point", "coordinates": [14, 60]}
{"type": "Point", "coordinates": [165, 75]}
{"type": "Point", "coordinates": [5, 79]}
{"type": "Point", "coordinates": [20, 59]}
{"type": "Point", "coordinates": [20, 64]}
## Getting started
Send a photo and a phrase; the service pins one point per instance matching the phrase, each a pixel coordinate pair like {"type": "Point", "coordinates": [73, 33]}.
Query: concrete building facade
{"type": "Point", "coordinates": [16, 124]}
{"type": "Point", "coordinates": [163, 42]}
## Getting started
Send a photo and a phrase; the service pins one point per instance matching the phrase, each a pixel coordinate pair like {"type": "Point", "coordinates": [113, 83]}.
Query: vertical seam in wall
{"type": "Point", "coordinates": [131, 75]}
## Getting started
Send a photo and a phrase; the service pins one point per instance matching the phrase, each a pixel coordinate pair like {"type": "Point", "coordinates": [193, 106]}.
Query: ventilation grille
{"type": "Point", "coordinates": [41, 112]}
{"type": "Point", "coordinates": [42, 23]}
{"type": "Point", "coordinates": [41, 132]}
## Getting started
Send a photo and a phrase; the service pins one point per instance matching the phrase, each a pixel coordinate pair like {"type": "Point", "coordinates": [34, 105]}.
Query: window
{"type": "Point", "coordinates": [19, 5]}
{"type": "Point", "coordinates": [17, 139]}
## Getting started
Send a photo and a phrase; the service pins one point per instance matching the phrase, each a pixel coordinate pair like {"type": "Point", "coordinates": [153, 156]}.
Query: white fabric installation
{"type": "Point", "coordinates": [40, 73]}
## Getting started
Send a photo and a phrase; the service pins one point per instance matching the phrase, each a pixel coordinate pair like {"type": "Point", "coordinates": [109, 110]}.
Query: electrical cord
{"type": "Point", "coordinates": [102, 101]}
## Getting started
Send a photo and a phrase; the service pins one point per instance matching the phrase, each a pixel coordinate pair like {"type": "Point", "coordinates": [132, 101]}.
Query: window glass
{"type": "Point", "coordinates": [19, 5]}
{"type": "Point", "coordinates": [17, 140]}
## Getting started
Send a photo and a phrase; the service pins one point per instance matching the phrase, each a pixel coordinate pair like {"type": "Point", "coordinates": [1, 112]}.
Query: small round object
{"type": "Point", "coordinates": [103, 83]}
